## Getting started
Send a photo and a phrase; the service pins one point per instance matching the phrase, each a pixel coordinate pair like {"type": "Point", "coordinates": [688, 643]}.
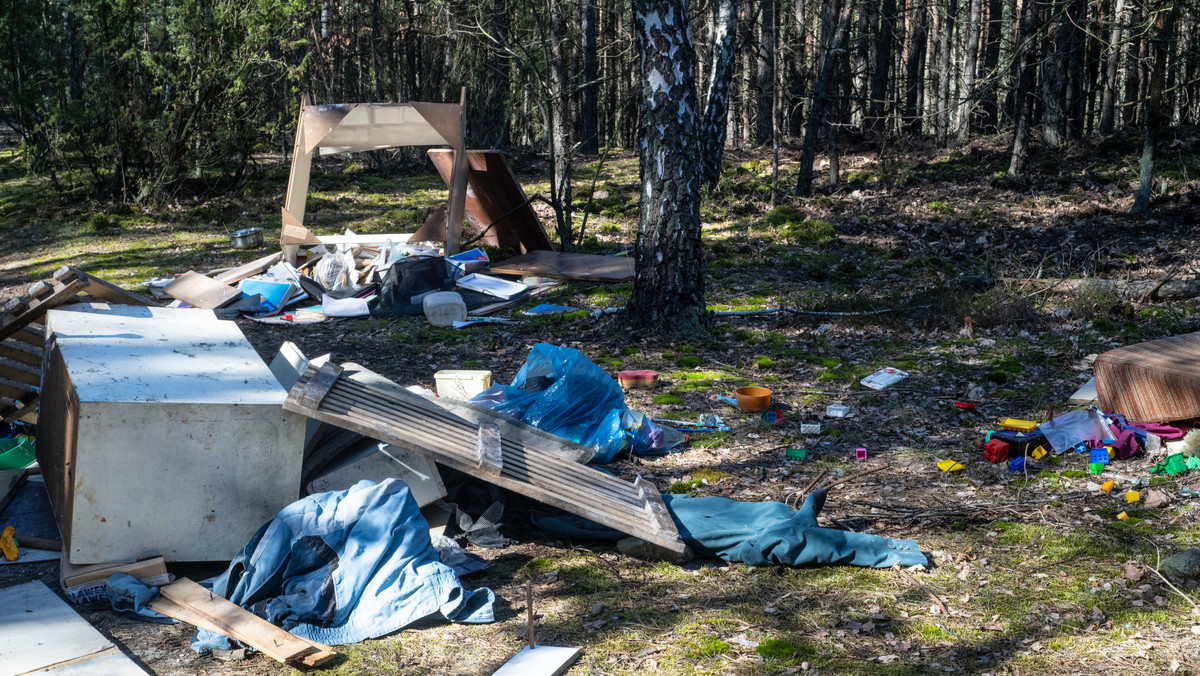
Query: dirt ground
{"type": "Point", "coordinates": [926, 262]}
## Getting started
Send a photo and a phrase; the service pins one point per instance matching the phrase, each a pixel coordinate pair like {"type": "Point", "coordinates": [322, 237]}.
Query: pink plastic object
{"type": "Point", "coordinates": [860, 453]}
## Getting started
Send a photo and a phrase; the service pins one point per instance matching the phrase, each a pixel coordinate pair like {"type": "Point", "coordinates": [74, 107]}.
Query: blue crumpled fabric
{"type": "Point", "coordinates": [128, 596]}
{"type": "Point", "coordinates": [345, 566]}
{"type": "Point", "coordinates": [759, 533]}
{"type": "Point", "coordinates": [562, 392]}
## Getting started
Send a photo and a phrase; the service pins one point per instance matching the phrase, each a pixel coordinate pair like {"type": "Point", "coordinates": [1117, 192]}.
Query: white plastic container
{"type": "Point", "coordinates": [462, 385]}
{"type": "Point", "coordinates": [837, 411]}
{"type": "Point", "coordinates": [444, 308]}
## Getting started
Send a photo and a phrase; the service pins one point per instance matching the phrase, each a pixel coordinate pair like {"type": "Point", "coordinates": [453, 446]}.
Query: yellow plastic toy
{"type": "Point", "coordinates": [8, 545]}
{"type": "Point", "coordinates": [1014, 425]}
{"type": "Point", "coordinates": [1112, 452]}
{"type": "Point", "coordinates": [949, 466]}
{"type": "Point", "coordinates": [1038, 453]}
{"type": "Point", "coordinates": [1132, 497]}
{"type": "Point", "coordinates": [1123, 516]}
{"type": "Point", "coordinates": [1108, 486]}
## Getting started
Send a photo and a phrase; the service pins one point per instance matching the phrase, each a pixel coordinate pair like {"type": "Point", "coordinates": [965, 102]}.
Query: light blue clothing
{"type": "Point", "coordinates": [345, 566]}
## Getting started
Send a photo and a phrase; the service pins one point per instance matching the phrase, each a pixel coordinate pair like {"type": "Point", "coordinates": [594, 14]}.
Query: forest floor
{"type": "Point", "coordinates": [1031, 572]}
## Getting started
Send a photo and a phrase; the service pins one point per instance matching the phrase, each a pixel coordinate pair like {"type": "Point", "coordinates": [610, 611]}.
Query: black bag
{"type": "Point", "coordinates": [408, 278]}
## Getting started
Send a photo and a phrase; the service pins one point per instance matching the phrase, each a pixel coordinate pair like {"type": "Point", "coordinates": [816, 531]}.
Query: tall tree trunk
{"type": "Point", "coordinates": [794, 102]}
{"type": "Point", "coordinates": [883, 58]}
{"type": "Point", "coordinates": [1054, 79]}
{"type": "Point", "coordinates": [1108, 105]}
{"type": "Point", "coordinates": [765, 86]}
{"type": "Point", "coordinates": [1076, 52]}
{"type": "Point", "coordinates": [868, 18]}
{"type": "Point", "coordinates": [560, 125]}
{"type": "Point", "coordinates": [945, 40]}
{"type": "Point", "coordinates": [1153, 117]}
{"type": "Point", "coordinates": [589, 141]}
{"type": "Point", "coordinates": [716, 100]}
{"type": "Point", "coordinates": [834, 25]}
{"type": "Point", "coordinates": [1134, 65]}
{"type": "Point", "coordinates": [991, 66]}
{"type": "Point", "coordinates": [668, 286]}
{"type": "Point", "coordinates": [966, 87]}
{"type": "Point", "coordinates": [1023, 92]}
{"type": "Point", "coordinates": [914, 57]}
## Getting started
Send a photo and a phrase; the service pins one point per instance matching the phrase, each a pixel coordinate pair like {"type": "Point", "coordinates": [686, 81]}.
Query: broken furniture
{"type": "Point", "coordinates": [496, 206]}
{"type": "Point", "coordinates": [1156, 381]}
{"type": "Point", "coordinates": [355, 127]}
{"type": "Point", "coordinates": [409, 421]}
{"type": "Point", "coordinates": [162, 433]}
{"type": "Point", "coordinates": [22, 334]}
{"type": "Point", "coordinates": [43, 635]}
{"type": "Point", "coordinates": [559, 265]}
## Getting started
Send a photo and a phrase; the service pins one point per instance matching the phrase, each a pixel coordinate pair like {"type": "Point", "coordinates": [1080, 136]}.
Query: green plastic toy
{"type": "Point", "coordinates": [800, 454]}
{"type": "Point", "coordinates": [1095, 467]}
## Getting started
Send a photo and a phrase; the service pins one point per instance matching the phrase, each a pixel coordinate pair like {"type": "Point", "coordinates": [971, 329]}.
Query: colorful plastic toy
{"type": "Point", "coordinates": [1016, 464]}
{"type": "Point", "coordinates": [964, 405]}
{"type": "Point", "coordinates": [1132, 497]}
{"type": "Point", "coordinates": [1123, 516]}
{"type": "Point", "coordinates": [8, 545]}
{"type": "Point", "coordinates": [1095, 467]}
{"type": "Point", "coordinates": [799, 454]}
{"type": "Point", "coordinates": [1108, 486]}
{"type": "Point", "coordinates": [860, 454]}
{"type": "Point", "coordinates": [1099, 456]}
{"type": "Point", "coordinates": [1038, 453]}
{"type": "Point", "coordinates": [1015, 425]}
{"type": "Point", "coordinates": [949, 466]}
{"type": "Point", "coordinates": [1081, 447]}
{"type": "Point", "coordinates": [995, 451]}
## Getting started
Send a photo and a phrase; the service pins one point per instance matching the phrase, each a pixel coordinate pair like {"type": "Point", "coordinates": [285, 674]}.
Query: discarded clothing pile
{"type": "Point", "coordinates": [560, 391]}
{"type": "Point", "coordinates": [759, 533]}
{"type": "Point", "coordinates": [341, 567]}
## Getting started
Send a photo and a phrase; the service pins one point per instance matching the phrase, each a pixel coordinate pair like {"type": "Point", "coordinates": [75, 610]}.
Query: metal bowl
{"type": "Point", "coordinates": [247, 238]}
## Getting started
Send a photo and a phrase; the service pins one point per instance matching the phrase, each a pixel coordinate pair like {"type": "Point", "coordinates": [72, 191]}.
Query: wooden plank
{"type": "Point", "coordinates": [25, 374]}
{"type": "Point", "coordinates": [12, 324]}
{"type": "Point", "coordinates": [254, 267]}
{"type": "Point", "coordinates": [26, 412]}
{"type": "Point", "coordinates": [409, 421]}
{"type": "Point", "coordinates": [543, 660]}
{"type": "Point", "coordinates": [110, 292]}
{"type": "Point", "coordinates": [15, 391]}
{"type": "Point", "coordinates": [228, 619]}
{"type": "Point", "coordinates": [199, 291]}
{"type": "Point", "coordinates": [558, 265]}
{"type": "Point", "coordinates": [318, 386]}
{"type": "Point", "coordinates": [29, 335]}
{"type": "Point", "coordinates": [21, 353]}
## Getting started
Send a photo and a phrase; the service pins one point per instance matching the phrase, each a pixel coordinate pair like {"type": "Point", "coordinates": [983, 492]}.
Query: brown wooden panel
{"type": "Point", "coordinates": [558, 265]}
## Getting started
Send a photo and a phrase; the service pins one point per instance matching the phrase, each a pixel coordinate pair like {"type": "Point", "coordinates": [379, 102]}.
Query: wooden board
{"type": "Point", "coordinates": [409, 421]}
{"type": "Point", "coordinates": [250, 269]}
{"type": "Point", "coordinates": [13, 323]}
{"type": "Point", "coordinates": [544, 660]}
{"type": "Point", "coordinates": [205, 609]}
{"type": "Point", "coordinates": [558, 265]}
{"type": "Point", "coordinates": [40, 630]}
{"type": "Point", "coordinates": [494, 200]}
{"type": "Point", "coordinates": [199, 291]}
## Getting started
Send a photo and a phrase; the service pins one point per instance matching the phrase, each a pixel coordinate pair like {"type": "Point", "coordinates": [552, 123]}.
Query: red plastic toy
{"type": "Point", "coordinates": [964, 405]}
{"type": "Point", "coordinates": [995, 451]}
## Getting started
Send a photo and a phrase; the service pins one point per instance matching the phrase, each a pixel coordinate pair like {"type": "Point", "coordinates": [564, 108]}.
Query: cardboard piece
{"type": "Point", "coordinates": [203, 292]}
{"type": "Point", "coordinates": [88, 583]}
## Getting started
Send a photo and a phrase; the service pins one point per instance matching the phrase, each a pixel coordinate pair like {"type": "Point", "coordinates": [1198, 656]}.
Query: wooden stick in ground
{"type": "Point", "coordinates": [853, 477]}
{"type": "Point", "coordinates": [529, 608]}
{"type": "Point", "coordinates": [910, 578]}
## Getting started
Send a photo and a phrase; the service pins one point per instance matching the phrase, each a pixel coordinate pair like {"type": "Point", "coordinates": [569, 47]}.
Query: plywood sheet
{"type": "Point", "coordinates": [199, 291]}
{"type": "Point", "coordinates": [559, 265]}
{"type": "Point", "coordinates": [40, 629]}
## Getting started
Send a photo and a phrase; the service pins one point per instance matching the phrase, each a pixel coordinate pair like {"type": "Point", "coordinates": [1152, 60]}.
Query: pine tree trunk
{"type": "Point", "coordinates": [991, 65]}
{"type": "Point", "coordinates": [720, 77]}
{"type": "Point", "coordinates": [1076, 53]}
{"type": "Point", "coordinates": [1054, 80]}
{"type": "Point", "coordinates": [966, 88]}
{"type": "Point", "coordinates": [1023, 92]}
{"type": "Point", "coordinates": [765, 86]}
{"type": "Point", "coordinates": [945, 40]}
{"type": "Point", "coordinates": [1152, 127]}
{"type": "Point", "coordinates": [589, 140]}
{"type": "Point", "coordinates": [560, 126]}
{"type": "Point", "coordinates": [835, 23]}
{"type": "Point", "coordinates": [914, 56]}
{"type": "Point", "coordinates": [883, 59]}
{"type": "Point", "coordinates": [867, 20]}
{"type": "Point", "coordinates": [668, 287]}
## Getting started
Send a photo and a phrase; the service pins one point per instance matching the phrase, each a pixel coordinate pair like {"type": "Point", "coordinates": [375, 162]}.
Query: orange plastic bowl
{"type": "Point", "coordinates": [753, 399]}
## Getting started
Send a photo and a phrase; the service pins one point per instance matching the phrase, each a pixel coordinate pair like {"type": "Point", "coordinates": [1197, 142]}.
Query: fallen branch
{"type": "Point", "coordinates": [1129, 289]}
{"type": "Point", "coordinates": [910, 578]}
{"type": "Point", "coordinates": [853, 477]}
{"type": "Point", "coordinates": [805, 491]}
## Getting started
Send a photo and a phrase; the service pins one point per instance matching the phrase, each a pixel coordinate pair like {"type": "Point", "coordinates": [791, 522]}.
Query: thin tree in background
{"type": "Point", "coordinates": [1164, 20]}
{"type": "Point", "coordinates": [966, 86]}
{"type": "Point", "coordinates": [1023, 94]}
{"type": "Point", "coordinates": [716, 101]}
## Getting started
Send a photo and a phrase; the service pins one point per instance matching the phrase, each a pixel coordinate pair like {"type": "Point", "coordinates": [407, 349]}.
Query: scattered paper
{"type": "Point", "coordinates": [345, 307]}
{"type": "Point", "coordinates": [883, 378]}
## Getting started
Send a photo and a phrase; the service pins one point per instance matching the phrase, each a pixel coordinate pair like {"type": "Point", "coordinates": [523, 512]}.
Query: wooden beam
{"type": "Point", "coordinates": [37, 307]}
{"type": "Point", "coordinates": [20, 373]}
{"type": "Point", "coordinates": [200, 607]}
{"type": "Point", "coordinates": [409, 421]}
{"type": "Point", "coordinates": [16, 351]}
{"type": "Point", "coordinates": [318, 386]}
{"type": "Point", "coordinates": [107, 291]}
{"type": "Point", "coordinates": [250, 269]}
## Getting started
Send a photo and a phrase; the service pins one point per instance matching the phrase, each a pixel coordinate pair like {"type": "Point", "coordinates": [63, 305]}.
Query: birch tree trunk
{"type": "Point", "coordinates": [668, 286]}
{"type": "Point", "coordinates": [720, 76]}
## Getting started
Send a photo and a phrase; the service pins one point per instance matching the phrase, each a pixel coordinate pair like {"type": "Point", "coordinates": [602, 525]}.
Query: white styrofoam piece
{"type": "Point", "coordinates": [1086, 394]}
{"type": "Point", "coordinates": [144, 354]}
{"type": "Point", "coordinates": [38, 629]}
{"type": "Point", "coordinates": [388, 461]}
{"type": "Point", "coordinates": [544, 660]}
